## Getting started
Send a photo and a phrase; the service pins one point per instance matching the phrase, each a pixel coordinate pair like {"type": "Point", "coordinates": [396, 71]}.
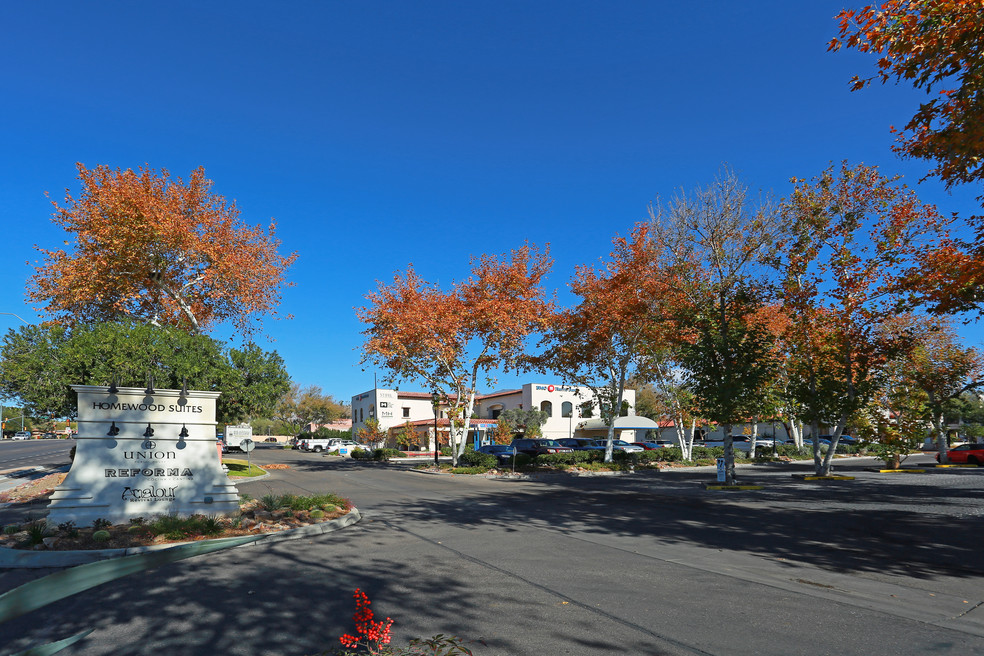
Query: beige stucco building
{"type": "Point", "coordinates": [570, 410]}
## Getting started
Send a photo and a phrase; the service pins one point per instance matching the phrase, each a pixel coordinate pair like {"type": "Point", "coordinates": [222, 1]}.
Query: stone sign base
{"type": "Point", "coordinates": [141, 454]}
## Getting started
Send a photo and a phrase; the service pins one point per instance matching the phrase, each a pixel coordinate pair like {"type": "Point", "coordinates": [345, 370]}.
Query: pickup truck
{"type": "Point", "coordinates": [318, 445]}
{"type": "Point", "coordinates": [329, 445]}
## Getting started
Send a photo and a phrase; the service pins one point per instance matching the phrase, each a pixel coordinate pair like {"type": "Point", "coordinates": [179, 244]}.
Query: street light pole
{"type": "Point", "coordinates": [14, 315]}
{"type": "Point", "coordinates": [436, 402]}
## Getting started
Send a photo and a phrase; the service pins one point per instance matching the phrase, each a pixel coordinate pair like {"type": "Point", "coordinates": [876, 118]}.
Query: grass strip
{"type": "Point", "coordinates": [243, 469]}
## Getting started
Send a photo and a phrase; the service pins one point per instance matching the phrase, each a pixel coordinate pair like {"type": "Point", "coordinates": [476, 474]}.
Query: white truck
{"type": "Point", "coordinates": [319, 444]}
{"type": "Point", "coordinates": [234, 436]}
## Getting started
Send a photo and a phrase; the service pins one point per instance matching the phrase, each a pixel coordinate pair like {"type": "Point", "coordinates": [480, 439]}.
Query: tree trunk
{"type": "Point", "coordinates": [751, 445]}
{"type": "Point", "coordinates": [815, 437]}
{"type": "Point", "coordinates": [941, 441]}
{"type": "Point", "coordinates": [681, 434]}
{"type": "Point", "coordinates": [834, 439]}
{"type": "Point", "coordinates": [729, 456]}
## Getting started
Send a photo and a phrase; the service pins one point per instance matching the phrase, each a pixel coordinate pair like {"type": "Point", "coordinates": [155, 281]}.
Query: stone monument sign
{"type": "Point", "coordinates": [142, 453]}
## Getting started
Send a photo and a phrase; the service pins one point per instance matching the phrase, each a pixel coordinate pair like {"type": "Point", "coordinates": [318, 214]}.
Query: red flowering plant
{"type": "Point", "coordinates": [374, 637]}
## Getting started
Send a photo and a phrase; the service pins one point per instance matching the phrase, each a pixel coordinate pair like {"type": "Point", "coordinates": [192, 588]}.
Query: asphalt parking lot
{"type": "Point", "coordinates": [649, 563]}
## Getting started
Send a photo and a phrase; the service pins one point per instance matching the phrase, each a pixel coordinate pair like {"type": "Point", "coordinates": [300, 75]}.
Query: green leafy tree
{"type": "Point", "coordinates": [38, 365]}
{"type": "Point", "coordinates": [316, 407]}
{"type": "Point", "coordinates": [939, 369]}
{"type": "Point", "coordinates": [530, 422]}
{"type": "Point", "coordinates": [254, 382]}
{"type": "Point", "coordinates": [715, 241]}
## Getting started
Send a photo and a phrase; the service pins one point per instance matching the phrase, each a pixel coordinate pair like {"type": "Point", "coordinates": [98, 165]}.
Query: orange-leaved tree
{"type": "Point", "coordinates": [453, 340]}
{"type": "Point", "coordinates": [935, 45]}
{"type": "Point", "coordinates": [160, 250]}
{"type": "Point", "coordinates": [855, 237]}
{"type": "Point", "coordinates": [620, 317]}
{"type": "Point", "coordinates": [938, 366]}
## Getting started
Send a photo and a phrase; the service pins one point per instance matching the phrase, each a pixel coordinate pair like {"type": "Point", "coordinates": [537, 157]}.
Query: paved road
{"type": "Point", "coordinates": [643, 564]}
{"type": "Point", "coordinates": [22, 459]}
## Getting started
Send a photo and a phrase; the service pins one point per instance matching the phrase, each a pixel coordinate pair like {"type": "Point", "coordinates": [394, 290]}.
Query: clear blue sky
{"type": "Point", "coordinates": [383, 133]}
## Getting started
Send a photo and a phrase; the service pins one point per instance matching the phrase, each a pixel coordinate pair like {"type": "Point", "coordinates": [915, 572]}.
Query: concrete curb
{"type": "Point", "coordinates": [732, 488]}
{"type": "Point", "coordinates": [20, 559]}
{"type": "Point", "coordinates": [239, 480]}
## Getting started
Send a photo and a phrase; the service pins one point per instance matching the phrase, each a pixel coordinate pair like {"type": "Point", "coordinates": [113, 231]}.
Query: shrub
{"type": "Point", "coordinates": [297, 503]}
{"type": "Point", "coordinates": [328, 433]}
{"type": "Point", "coordinates": [361, 454]}
{"type": "Point", "coordinates": [210, 524]}
{"type": "Point", "coordinates": [386, 453]}
{"type": "Point", "coordinates": [707, 453]}
{"type": "Point", "coordinates": [445, 451]}
{"type": "Point", "coordinates": [522, 460]}
{"type": "Point", "coordinates": [573, 458]}
{"type": "Point", "coordinates": [661, 455]}
{"type": "Point", "coordinates": [101, 536]}
{"type": "Point", "coordinates": [468, 470]}
{"type": "Point", "coordinates": [100, 523]}
{"type": "Point", "coordinates": [38, 531]}
{"type": "Point", "coordinates": [170, 526]}
{"type": "Point", "coordinates": [475, 459]}
{"type": "Point", "coordinates": [10, 529]}
{"type": "Point", "coordinates": [69, 529]}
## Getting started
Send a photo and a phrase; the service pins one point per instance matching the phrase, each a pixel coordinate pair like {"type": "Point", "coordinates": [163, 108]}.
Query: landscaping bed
{"type": "Point", "coordinates": [269, 514]}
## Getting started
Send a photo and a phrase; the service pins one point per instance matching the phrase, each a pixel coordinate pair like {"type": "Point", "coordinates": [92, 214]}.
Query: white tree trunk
{"type": "Point", "coordinates": [941, 446]}
{"type": "Point", "coordinates": [825, 468]}
{"type": "Point", "coordinates": [796, 432]}
{"type": "Point", "coordinates": [729, 456]}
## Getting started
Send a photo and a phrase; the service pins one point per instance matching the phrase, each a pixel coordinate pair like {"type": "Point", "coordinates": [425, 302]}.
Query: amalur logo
{"type": "Point", "coordinates": [152, 493]}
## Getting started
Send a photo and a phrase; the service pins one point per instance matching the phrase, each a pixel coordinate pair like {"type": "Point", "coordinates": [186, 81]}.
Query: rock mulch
{"type": "Point", "coordinates": [253, 519]}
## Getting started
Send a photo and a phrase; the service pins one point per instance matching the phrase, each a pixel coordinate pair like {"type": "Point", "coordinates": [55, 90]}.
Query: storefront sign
{"type": "Point", "coordinates": [140, 455]}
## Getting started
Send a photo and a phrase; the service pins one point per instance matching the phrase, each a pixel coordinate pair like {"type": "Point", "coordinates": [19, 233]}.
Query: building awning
{"type": "Point", "coordinates": [632, 422]}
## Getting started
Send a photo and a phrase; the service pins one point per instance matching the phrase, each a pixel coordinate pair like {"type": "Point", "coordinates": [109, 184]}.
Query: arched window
{"type": "Point", "coordinates": [566, 408]}
{"type": "Point", "coordinates": [587, 409]}
{"type": "Point", "coordinates": [547, 407]}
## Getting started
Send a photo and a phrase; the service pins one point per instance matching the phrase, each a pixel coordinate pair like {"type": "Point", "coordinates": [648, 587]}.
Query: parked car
{"type": "Point", "coordinates": [580, 444]}
{"type": "Point", "coordinates": [538, 446]}
{"type": "Point", "coordinates": [502, 452]}
{"type": "Point", "coordinates": [738, 442]}
{"type": "Point", "coordinates": [49, 436]}
{"type": "Point", "coordinates": [349, 445]}
{"type": "Point", "coordinates": [844, 439]}
{"type": "Point", "coordinates": [22, 435]}
{"type": "Point", "coordinates": [621, 445]}
{"type": "Point", "coordinates": [966, 454]}
{"type": "Point", "coordinates": [655, 444]}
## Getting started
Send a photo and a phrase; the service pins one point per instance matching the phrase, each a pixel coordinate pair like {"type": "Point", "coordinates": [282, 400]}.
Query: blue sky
{"type": "Point", "coordinates": [383, 133]}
